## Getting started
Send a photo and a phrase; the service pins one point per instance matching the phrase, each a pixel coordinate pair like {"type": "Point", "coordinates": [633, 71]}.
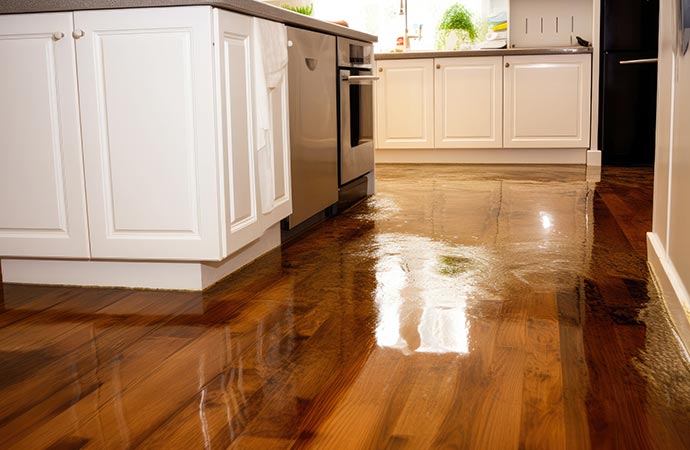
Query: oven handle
{"type": "Point", "coordinates": [360, 78]}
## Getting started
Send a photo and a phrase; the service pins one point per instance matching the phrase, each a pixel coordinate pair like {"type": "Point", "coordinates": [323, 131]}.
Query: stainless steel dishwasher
{"type": "Point", "coordinates": [313, 123]}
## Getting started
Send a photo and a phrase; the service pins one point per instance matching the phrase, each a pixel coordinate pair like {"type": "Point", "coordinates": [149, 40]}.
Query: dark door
{"type": "Point", "coordinates": [627, 121]}
{"type": "Point", "coordinates": [628, 109]}
{"type": "Point", "coordinates": [629, 25]}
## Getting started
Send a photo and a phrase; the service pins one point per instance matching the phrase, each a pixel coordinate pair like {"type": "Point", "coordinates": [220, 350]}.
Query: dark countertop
{"type": "Point", "coordinates": [248, 7]}
{"type": "Point", "coordinates": [488, 52]}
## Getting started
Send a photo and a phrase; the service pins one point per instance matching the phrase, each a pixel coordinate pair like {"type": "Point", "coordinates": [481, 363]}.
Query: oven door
{"type": "Point", "coordinates": [356, 123]}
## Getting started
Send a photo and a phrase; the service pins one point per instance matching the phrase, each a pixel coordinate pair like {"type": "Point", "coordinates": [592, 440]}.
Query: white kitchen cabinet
{"type": "Point", "coordinates": [237, 128]}
{"type": "Point", "coordinates": [147, 109]}
{"type": "Point", "coordinates": [279, 146]}
{"type": "Point", "coordinates": [281, 202]}
{"type": "Point", "coordinates": [42, 199]}
{"type": "Point", "coordinates": [245, 220]}
{"type": "Point", "coordinates": [547, 101]}
{"type": "Point", "coordinates": [405, 104]}
{"type": "Point", "coordinates": [469, 102]}
{"type": "Point", "coordinates": [166, 111]}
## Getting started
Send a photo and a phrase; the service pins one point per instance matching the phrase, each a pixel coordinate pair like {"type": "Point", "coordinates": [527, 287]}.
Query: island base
{"type": "Point", "coordinates": [171, 275]}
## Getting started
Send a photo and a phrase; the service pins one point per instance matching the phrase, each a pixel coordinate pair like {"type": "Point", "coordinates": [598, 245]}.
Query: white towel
{"type": "Point", "coordinates": [270, 60]}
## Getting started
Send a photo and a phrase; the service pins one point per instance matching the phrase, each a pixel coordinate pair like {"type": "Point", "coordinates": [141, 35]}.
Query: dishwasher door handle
{"type": "Point", "coordinates": [360, 78]}
{"type": "Point", "coordinates": [640, 61]}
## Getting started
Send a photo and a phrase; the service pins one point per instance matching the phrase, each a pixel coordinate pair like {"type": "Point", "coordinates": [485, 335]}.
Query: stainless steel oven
{"type": "Point", "coordinates": [356, 96]}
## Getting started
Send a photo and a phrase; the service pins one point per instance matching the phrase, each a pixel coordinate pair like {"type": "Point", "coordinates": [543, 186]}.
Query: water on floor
{"type": "Point", "coordinates": [484, 307]}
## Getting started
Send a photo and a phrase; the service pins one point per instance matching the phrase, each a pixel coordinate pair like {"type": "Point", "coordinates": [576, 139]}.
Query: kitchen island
{"type": "Point", "coordinates": [135, 149]}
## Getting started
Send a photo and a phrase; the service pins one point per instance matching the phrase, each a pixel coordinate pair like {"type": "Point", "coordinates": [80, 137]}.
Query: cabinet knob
{"type": "Point", "coordinates": [507, 64]}
{"type": "Point", "coordinates": [76, 34]}
{"type": "Point", "coordinates": [290, 43]}
{"type": "Point", "coordinates": [58, 35]}
{"type": "Point", "coordinates": [438, 66]}
{"type": "Point", "coordinates": [380, 69]}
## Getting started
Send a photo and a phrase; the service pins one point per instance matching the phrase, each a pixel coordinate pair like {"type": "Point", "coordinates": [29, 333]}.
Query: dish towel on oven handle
{"type": "Point", "coordinates": [270, 61]}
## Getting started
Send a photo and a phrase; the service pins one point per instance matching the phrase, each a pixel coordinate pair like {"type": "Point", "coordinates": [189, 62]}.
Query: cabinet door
{"type": "Point", "coordinates": [42, 201]}
{"type": "Point", "coordinates": [235, 74]}
{"type": "Point", "coordinates": [280, 146]}
{"type": "Point", "coordinates": [147, 103]}
{"type": "Point", "coordinates": [404, 104]}
{"type": "Point", "coordinates": [469, 102]}
{"type": "Point", "coordinates": [547, 101]}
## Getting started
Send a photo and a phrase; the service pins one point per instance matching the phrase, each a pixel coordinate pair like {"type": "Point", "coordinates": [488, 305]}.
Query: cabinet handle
{"type": "Point", "coordinates": [438, 66]}
{"type": "Point", "coordinates": [58, 35]}
{"type": "Point", "coordinates": [507, 64]}
{"type": "Point", "coordinates": [76, 34]}
{"type": "Point", "coordinates": [380, 69]}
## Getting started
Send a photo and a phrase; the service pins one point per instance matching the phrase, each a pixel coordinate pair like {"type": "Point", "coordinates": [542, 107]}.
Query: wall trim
{"type": "Point", "coordinates": [594, 158]}
{"type": "Point", "coordinates": [481, 156]}
{"type": "Point", "coordinates": [672, 289]}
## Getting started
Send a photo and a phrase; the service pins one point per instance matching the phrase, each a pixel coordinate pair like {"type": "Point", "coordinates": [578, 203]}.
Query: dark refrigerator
{"type": "Point", "coordinates": [629, 43]}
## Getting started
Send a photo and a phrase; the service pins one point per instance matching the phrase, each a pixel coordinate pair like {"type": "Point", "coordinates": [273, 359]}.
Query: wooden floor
{"type": "Point", "coordinates": [461, 307]}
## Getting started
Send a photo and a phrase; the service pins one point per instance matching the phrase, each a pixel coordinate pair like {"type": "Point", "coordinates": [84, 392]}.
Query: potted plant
{"type": "Point", "coordinates": [305, 9]}
{"type": "Point", "coordinates": [456, 24]}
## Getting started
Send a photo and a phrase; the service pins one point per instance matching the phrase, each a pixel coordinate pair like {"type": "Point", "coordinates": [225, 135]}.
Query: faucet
{"type": "Point", "coordinates": [403, 12]}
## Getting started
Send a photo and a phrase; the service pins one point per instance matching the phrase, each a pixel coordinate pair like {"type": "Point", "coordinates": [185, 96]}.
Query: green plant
{"type": "Point", "coordinates": [457, 19]}
{"type": "Point", "coordinates": [306, 10]}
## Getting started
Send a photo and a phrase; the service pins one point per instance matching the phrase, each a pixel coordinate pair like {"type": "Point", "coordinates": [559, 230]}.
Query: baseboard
{"type": "Point", "coordinates": [168, 275]}
{"type": "Point", "coordinates": [481, 156]}
{"type": "Point", "coordinates": [594, 158]}
{"type": "Point", "coordinates": [673, 291]}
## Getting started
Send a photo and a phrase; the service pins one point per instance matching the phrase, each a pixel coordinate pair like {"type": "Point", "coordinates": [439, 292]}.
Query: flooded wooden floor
{"type": "Point", "coordinates": [473, 307]}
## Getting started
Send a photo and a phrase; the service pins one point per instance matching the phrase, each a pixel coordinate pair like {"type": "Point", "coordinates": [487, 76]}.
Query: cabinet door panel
{"type": "Point", "coordinates": [235, 75]}
{"type": "Point", "coordinates": [147, 107]}
{"type": "Point", "coordinates": [469, 102]}
{"type": "Point", "coordinates": [42, 200]}
{"type": "Point", "coordinates": [547, 101]}
{"type": "Point", "coordinates": [280, 144]}
{"type": "Point", "coordinates": [404, 104]}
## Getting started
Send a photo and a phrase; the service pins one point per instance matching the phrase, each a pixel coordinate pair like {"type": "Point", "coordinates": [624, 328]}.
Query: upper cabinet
{"type": "Point", "coordinates": [404, 104]}
{"type": "Point", "coordinates": [147, 108]}
{"type": "Point", "coordinates": [547, 101]}
{"type": "Point", "coordinates": [469, 102]}
{"type": "Point", "coordinates": [166, 108]}
{"type": "Point", "coordinates": [42, 199]}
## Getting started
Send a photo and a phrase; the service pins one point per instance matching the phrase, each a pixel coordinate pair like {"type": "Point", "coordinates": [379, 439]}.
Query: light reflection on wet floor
{"type": "Point", "coordinates": [462, 306]}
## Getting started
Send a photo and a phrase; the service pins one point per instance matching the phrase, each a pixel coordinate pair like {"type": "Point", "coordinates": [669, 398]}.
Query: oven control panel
{"type": "Point", "coordinates": [352, 53]}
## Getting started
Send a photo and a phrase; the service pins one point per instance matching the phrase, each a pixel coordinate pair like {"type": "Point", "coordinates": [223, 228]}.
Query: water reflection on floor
{"type": "Point", "coordinates": [461, 307]}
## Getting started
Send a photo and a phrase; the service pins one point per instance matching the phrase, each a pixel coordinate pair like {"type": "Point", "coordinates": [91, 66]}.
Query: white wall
{"type": "Point", "coordinates": [669, 250]}
{"type": "Point", "coordinates": [526, 16]}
